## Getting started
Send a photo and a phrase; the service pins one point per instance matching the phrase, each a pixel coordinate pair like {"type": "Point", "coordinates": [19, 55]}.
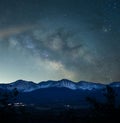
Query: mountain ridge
{"type": "Point", "coordinates": [28, 86]}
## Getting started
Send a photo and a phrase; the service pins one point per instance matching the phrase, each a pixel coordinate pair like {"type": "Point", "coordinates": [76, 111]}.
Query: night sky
{"type": "Point", "coordinates": [54, 39]}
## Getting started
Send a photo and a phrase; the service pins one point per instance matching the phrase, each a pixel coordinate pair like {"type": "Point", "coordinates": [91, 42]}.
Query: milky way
{"type": "Point", "coordinates": [52, 40]}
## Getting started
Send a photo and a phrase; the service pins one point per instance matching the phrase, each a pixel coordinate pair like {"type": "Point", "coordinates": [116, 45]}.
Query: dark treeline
{"type": "Point", "coordinates": [99, 112]}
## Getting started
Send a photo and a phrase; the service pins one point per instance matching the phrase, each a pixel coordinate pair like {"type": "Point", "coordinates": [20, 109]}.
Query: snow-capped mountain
{"type": "Point", "coordinates": [72, 85]}
{"type": "Point", "coordinates": [21, 85]}
{"type": "Point", "coordinates": [61, 83]}
{"type": "Point", "coordinates": [24, 85]}
{"type": "Point", "coordinates": [28, 86]}
{"type": "Point", "coordinates": [89, 85]}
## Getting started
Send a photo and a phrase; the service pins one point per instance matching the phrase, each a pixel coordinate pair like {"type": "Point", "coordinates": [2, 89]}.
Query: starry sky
{"type": "Point", "coordinates": [54, 39]}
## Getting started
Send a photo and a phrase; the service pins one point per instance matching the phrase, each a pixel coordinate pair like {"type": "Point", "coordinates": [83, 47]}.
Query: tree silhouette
{"type": "Point", "coordinates": [6, 98]}
{"type": "Point", "coordinates": [110, 96]}
{"type": "Point", "coordinates": [106, 109]}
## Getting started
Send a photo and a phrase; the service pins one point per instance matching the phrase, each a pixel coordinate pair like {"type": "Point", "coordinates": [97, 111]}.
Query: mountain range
{"type": "Point", "coordinates": [28, 86]}
{"type": "Point", "coordinates": [59, 93]}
